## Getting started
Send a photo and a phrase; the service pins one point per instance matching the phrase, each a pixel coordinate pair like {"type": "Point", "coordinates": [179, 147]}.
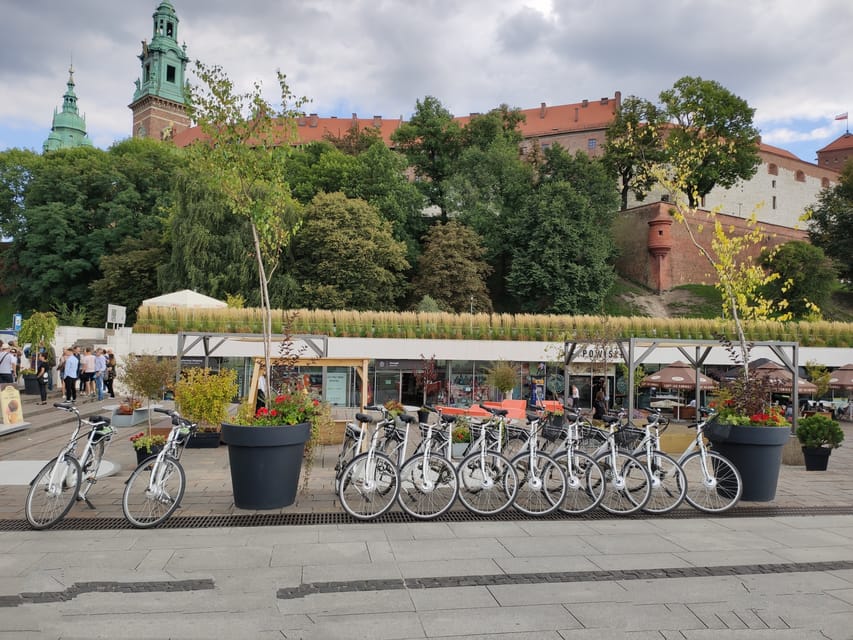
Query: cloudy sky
{"type": "Point", "coordinates": [792, 61]}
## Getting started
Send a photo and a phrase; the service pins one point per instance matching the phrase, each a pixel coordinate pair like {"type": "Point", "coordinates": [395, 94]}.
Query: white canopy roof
{"type": "Point", "coordinates": [184, 298]}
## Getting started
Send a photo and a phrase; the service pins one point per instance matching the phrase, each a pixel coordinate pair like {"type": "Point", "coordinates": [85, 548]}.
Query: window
{"type": "Point", "coordinates": [170, 29]}
{"type": "Point", "coordinates": [773, 183]}
{"type": "Point", "coordinates": [591, 144]}
{"type": "Point", "coordinates": [801, 176]}
{"type": "Point", "coordinates": [772, 169]}
{"type": "Point", "coordinates": [824, 183]}
{"type": "Point", "coordinates": [147, 73]}
{"type": "Point", "coordinates": [774, 202]}
{"type": "Point", "coordinates": [170, 73]}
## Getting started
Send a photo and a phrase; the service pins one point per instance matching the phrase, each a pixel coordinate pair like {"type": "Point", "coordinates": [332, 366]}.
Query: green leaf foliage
{"type": "Point", "coordinates": [345, 256]}
{"type": "Point", "coordinates": [713, 141]}
{"type": "Point", "coordinates": [831, 222]}
{"type": "Point", "coordinates": [806, 279]}
{"type": "Point", "coordinates": [453, 253]}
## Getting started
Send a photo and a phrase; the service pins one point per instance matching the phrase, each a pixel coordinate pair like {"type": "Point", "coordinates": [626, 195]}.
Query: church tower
{"type": "Point", "coordinates": [159, 107]}
{"type": "Point", "coordinates": [68, 128]}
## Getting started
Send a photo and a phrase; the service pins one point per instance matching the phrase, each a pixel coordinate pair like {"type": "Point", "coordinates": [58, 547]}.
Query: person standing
{"type": "Point", "coordinates": [100, 372]}
{"type": "Point", "coordinates": [8, 362]}
{"type": "Point", "coordinates": [576, 397]}
{"type": "Point", "coordinates": [111, 372]}
{"type": "Point", "coordinates": [599, 404]}
{"type": "Point", "coordinates": [88, 364]}
{"type": "Point", "coordinates": [69, 375]}
{"type": "Point", "coordinates": [42, 375]}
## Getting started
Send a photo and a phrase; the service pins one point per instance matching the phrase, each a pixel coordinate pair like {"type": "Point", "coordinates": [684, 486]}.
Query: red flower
{"type": "Point", "coordinates": [273, 413]}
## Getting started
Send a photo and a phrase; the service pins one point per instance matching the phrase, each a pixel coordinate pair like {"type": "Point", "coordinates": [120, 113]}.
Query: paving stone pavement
{"type": "Point", "coordinates": [774, 577]}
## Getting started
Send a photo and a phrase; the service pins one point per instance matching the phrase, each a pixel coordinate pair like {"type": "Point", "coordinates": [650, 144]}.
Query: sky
{"type": "Point", "coordinates": [791, 61]}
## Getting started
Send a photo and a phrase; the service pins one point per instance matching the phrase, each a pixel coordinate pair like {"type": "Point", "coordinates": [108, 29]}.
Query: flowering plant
{"type": "Point", "coordinates": [395, 408]}
{"type": "Point", "coordinates": [288, 408]}
{"type": "Point", "coordinates": [142, 441]}
{"type": "Point", "coordinates": [746, 402]}
{"type": "Point", "coordinates": [461, 434]}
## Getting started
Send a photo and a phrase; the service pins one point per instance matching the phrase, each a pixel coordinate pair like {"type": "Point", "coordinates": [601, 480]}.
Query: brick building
{"type": "Point", "coordinates": [836, 153]}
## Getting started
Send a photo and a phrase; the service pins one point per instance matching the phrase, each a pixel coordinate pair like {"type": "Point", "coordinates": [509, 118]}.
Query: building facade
{"type": "Point", "coordinates": [159, 104]}
{"type": "Point", "coordinates": [68, 128]}
{"type": "Point", "coordinates": [837, 153]}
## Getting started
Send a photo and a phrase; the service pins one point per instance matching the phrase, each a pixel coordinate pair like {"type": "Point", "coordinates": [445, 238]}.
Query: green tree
{"type": "Point", "coordinates": [634, 146]}
{"type": "Point", "coordinates": [713, 141]}
{"type": "Point", "coordinates": [806, 278]}
{"type": "Point", "coordinates": [345, 257]}
{"type": "Point", "coordinates": [562, 245]}
{"type": "Point", "coordinates": [376, 174]}
{"type": "Point", "coordinates": [129, 277]}
{"type": "Point", "coordinates": [502, 122]}
{"type": "Point", "coordinates": [209, 244]}
{"type": "Point", "coordinates": [431, 141]}
{"type": "Point", "coordinates": [70, 220]}
{"type": "Point", "coordinates": [831, 222]}
{"type": "Point", "coordinates": [17, 168]}
{"type": "Point", "coordinates": [453, 254]}
{"type": "Point", "coordinates": [356, 140]}
{"type": "Point", "coordinates": [245, 140]}
{"type": "Point", "coordinates": [486, 193]}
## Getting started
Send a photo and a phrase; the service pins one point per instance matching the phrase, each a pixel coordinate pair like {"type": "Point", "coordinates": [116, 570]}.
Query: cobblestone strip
{"type": "Point", "coordinates": [566, 576]}
{"type": "Point", "coordinates": [79, 588]}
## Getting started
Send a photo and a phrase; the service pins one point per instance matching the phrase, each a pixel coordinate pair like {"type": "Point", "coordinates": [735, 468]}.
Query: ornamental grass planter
{"type": "Point", "coordinates": [816, 458]}
{"type": "Point", "coordinates": [265, 463]}
{"type": "Point", "coordinates": [756, 452]}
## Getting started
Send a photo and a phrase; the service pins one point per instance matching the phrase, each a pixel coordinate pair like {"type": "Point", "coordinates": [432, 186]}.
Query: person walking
{"type": "Point", "coordinates": [69, 375]}
{"type": "Point", "coordinates": [100, 373]}
{"type": "Point", "coordinates": [42, 375]}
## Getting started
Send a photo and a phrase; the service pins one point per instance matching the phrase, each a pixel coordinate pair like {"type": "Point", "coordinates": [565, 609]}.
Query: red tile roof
{"type": "Point", "coordinates": [843, 142]}
{"type": "Point", "coordinates": [541, 121]}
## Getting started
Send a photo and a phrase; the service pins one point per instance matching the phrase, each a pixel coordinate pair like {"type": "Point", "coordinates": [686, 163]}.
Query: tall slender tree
{"type": "Point", "coordinates": [245, 140]}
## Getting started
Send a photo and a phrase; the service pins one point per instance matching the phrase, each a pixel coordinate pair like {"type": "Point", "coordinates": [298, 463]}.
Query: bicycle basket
{"type": "Point", "coordinates": [629, 437]}
{"type": "Point", "coordinates": [553, 428]}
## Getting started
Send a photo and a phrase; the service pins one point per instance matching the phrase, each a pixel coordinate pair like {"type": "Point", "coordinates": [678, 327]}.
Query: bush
{"type": "Point", "coordinates": [819, 431]}
{"type": "Point", "coordinates": [203, 396]}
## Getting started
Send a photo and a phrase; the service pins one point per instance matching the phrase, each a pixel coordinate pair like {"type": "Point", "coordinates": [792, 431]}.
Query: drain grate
{"type": "Point", "coordinates": [395, 517]}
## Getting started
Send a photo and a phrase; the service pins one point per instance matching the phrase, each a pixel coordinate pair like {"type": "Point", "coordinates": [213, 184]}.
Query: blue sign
{"type": "Point", "coordinates": [16, 321]}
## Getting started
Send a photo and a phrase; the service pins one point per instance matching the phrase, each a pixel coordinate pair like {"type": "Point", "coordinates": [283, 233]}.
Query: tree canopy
{"type": "Point", "coordinates": [345, 257]}
{"type": "Point", "coordinates": [634, 146]}
{"type": "Point", "coordinates": [713, 141]}
{"type": "Point", "coordinates": [806, 279]}
{"type": "Point", "coordinates": [831, 222]}
{"type": "Point", "coordinates": [451, 269]}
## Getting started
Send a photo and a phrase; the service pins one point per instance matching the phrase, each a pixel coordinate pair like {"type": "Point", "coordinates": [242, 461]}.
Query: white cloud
{"type": "Point", "coordinates": [380, 56]}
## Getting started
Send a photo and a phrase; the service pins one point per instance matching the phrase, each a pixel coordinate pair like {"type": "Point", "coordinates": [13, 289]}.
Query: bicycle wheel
{"type": "Point", "coordinates": [369, 486]}
{"type": "Point", "coordinates": [52, 492]}
{"type": "Point", "coordinates": [514, 446]}
{"type": "Point", "coordinates": [715, 488]}
{"type": "Point", "coordinates": [487, 483]}
{"type": "Point", "coordinates": [344, 458]}
{"type": "Point", "coordinates": [427, 490]}
{"type": "Point", "coordinates": [91, 465]}
{"type": "Point", "coordinates": [542, 492]}
{"type": "Point", "coordinates": [628, 484]}
{"type": "Point", "coordinates": [153, 492]}
{"type": "Point", "coordinates": [669, 484]}
{"type": "Point", "coordinates": [584, 483]}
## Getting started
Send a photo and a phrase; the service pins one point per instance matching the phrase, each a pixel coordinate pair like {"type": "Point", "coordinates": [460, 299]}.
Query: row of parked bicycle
{"type": "Point", "coordinates": [151, 494]}
{"type": "Point", "coordinates": [553, 463]}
